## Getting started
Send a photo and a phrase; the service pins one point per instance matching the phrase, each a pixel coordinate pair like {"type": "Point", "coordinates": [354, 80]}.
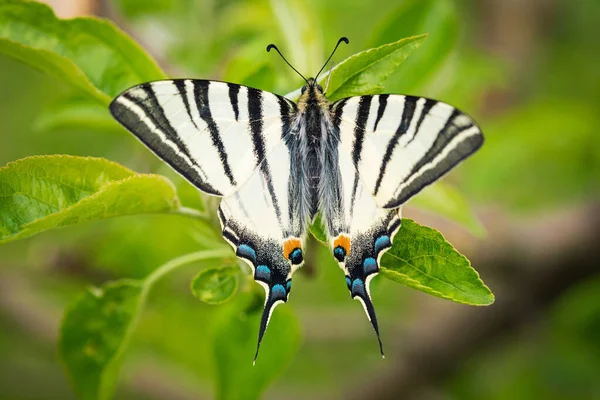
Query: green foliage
{"type": "Point", "coordinates": [77, 113]}
{"type": "Point", "coordinates": [216, 285]}
{"type": "Point", "coordinates": [99, 61]}
{"type": "Point", "coordinates": [97, 327]}
{"type": "Point", "coordinates": [91, 54]}
{"type": "Point", "coordinates": [95, 332]}
{"type": "Point", "coordinates": [422, 259]}
{"type": "Point", "coordinates": [365, 72]}
{"type": "Point", "coordinates": [44, 192]}
{"type": "Point", "coordinates": [235, 345]}
{"type": "Point", "coordinates": [447, 201]}
{"type": "Point", "coordinates": [413, 17]}
{"type": "Point", "coordinates": [562, 167]}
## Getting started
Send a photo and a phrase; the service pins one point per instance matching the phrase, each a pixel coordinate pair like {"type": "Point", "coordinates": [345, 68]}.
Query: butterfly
{"type": "Point", "coordinates": [277, 164]}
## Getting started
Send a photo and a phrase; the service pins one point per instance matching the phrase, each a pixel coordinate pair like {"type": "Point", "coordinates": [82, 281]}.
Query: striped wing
{"type": "Point", "coordinates": [263, 224]}
{"type": "Point", "coordinates": [235, 142]}
{"type": "Point", "coordinates": [203, 128]}
{"type": "Point", "coordinates": [389, 147]}
{"type": "Point", "coordinates": [403, 143]}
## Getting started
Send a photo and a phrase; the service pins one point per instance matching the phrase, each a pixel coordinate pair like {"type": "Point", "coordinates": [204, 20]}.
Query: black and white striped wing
{"type": "Point", "coordinates": [235, 142]}
{"type": "Point", "coordinates": [202, 128]}
{"type": "Point", "coordinates": [390, 147]}
{"type": "Point", "coordinates": [407, 142]}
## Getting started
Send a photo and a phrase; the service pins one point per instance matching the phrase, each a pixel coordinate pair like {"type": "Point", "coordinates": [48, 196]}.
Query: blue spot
{"type": "Point", "coordinates": [339, 253]}
{"type": "Point", "coordinates": [278, 292]}
{"type": "Point", "coordinates": [358, 287]}
{"type": "Point", "coordinates": [288, 285]}
{"type": "Point", "coordinates": [370, 265]}
{"type": "Point", "coordinates": [296, 256]}
{"type": "Point", "coordinates": [263, 272]}
{"type": "Point", "coordinates": [348, 282]}
{"type": "Point", "coordinates": [381, 243]}
{"type": "Point", "coordinates": [246, 251]}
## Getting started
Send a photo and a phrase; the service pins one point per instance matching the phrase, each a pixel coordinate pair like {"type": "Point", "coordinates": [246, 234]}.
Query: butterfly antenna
{"type": "Point", "coordinates": [272, 46]}
{"type": "Point", "coordinates": [342, 39]}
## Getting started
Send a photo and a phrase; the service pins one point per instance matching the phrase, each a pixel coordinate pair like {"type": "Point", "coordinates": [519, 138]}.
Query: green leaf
{"type": "Point", "coordinates": [318, 230]}
{"type": "Point", "coordinates": [365, 72]}
{"type": "Point", "coordinates": [55, 65]}
{"type": "Point", "coordinates": [422, 259]}
{"type": "Point", "coordinates": [437, 18]}
{"type": "Point", "coordinates": [235, 345]}
{"type": "Point", "coordinates": [94, 333]}
{"type": "Point", "coordinates": [216, 285]}
{"type": "Point", "coordinates": [98, 326]}
{"type": "Point", "coordinates": [76, 113]}
{"type": "Point", "coordinates": [448, 202]}
{"type": "Point", "coordinates": [44, 192]}
{"type": "Point", "coordinates": [89, 53]}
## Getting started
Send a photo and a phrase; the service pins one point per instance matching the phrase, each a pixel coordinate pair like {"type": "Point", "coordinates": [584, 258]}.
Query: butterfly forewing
{"type": "Point", "coordinates": [408, 142]}
{"type": "Point", "coordinates": [203, 128]}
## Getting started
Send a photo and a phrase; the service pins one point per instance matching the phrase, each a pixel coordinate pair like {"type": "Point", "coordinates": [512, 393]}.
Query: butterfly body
{"type": "Point", "coordinates": [276, 164]}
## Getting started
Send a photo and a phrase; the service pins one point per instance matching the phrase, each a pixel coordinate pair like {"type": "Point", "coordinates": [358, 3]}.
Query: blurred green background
{"type": "Point", "coordinates": [526, 70]}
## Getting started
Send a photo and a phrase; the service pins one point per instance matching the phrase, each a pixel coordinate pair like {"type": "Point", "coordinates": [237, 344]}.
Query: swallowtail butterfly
{"type": "Point", "coordinates": [275, 164]}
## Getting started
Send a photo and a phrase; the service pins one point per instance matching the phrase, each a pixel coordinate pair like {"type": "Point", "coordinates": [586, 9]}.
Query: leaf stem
{"type": "Point", "coordinates": [190, 212]}
{"type": "Point", "coordinates": [169, 266]}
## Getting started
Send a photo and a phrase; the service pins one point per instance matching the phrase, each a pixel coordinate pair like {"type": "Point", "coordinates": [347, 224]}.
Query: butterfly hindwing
{"type": "Point", "coordinates": [389, 147]}
{"type": "Point", "coordinates": [235, 142]}
{"type": "Point", "coordinates": [259, 222]}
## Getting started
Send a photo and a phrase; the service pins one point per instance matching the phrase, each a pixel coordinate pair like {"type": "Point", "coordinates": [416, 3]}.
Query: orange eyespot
{"type": "Point", "coordinates": [343, 241]}
{"type": "Point", "coordinates": [289, 245]}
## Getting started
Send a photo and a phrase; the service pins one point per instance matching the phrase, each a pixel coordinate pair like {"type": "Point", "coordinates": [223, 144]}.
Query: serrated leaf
{"type": "Point", "coordinates": [44, 192]}
{"type": "Point", "coordinates": [89, 53]}
{"type": "Point", "coordinates": [97, 327]}
{"type": "Point", "coordinates": [216, 285]}
{"type": "Point", "coordinates": [422, 259]}
{"type": "Point", "coordinates": [365, 72]}
{"type": "Point", "coordinates": [448, 202]}
{"type": "Point", "coordinates": [234, 347]}
{"type": "Point", "coordinates": [412, 17]}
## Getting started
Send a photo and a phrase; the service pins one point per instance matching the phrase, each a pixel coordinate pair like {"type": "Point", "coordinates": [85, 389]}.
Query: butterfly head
{"type": "Point", "coordinates": [312, 84]}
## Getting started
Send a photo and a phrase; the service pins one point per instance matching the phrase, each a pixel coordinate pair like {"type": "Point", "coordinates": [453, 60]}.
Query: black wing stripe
{"type": "Point", "coordinates": [256, 128]}
{"type": "Point", "coordinates": [448, 132]}
{"type": "Point", "coordinates": [362, 115]}
{"type": "Point", "coordinates": [381, 109]}
{"type": "Point", "coordinates": [407, 116]}
{"type": "Point", "coordinates": [202, 102]}
{"type": "Point", "coordinates": [424, 112]}
{"type": "Point", "coordinates": [180, 85]}
{"type": "Point", "coordinates": [178, 157]}
{"type": "Point", "coordinates": [234, 91]}
{"type": "Point", "coordinates": [459, 151]}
